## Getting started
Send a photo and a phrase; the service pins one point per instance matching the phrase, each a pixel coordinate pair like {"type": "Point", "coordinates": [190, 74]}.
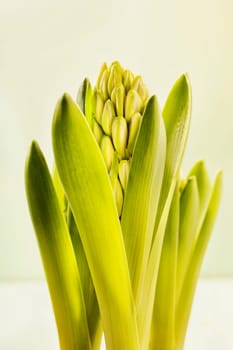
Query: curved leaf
{"type": "Point", "coordinates": [204, 189]}
{"type": "Point", "coordinates": [142, 193]}
{"type": "Point", "coordinates": [189, 210]}
{"type": "Point", "coordinates": [186, 297]}
{"type": "Point", "coordinates": [177, 115]}
{"type": "Point", "coordinates": [57, 254]}
{"type": "Point", "coordinates": [87, 186]}
{"type": "Point", "coordinates": [86, 100]}
{"type": "Point", "coordinates": [163, 323]}
{"type": "Point", "coordinates": [92, 307]}
{"type": "Point", "coordinates": [147, 296]}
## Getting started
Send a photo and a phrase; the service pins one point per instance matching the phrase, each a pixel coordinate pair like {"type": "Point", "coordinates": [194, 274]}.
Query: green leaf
{"type": "Point", "coordinates": [87, 186]}
{"type": "Point", "coordinates": [204, 189]}
{"type": "Point", "coordinates": [86, 100]}
{"type": "Point", "coordinates": [163, 323]}
{"type": "Point", "coordinates": [147, 296]}
{"type": "Point", "coordinates": [186, 297]}
{"type": "Point", "coordinates": [57, 254]}
{"type": "Point", "coordinates": [189, 210]}
{"type": "Point", "coordinates": [91, 304]}
{"type": "Point", "coordinates": [59, 190]}
{"type": "Point", "coordinates": [194, 203]}
{"type": "Point", "coordinates": [142, 193]}
{"type": "Point", "coordinates": [92, 307]}
{"type": "Point", "coordinates": [177, 115]}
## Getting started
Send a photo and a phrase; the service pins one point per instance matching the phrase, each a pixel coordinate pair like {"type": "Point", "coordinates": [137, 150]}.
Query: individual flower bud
{"type": "Point", "coordinates": [107, 117]}
{"type": "Point", "coordinates": [119, 135]}
{"type": "Point", "coordinates": [103, 85]}
{"type": "Point", "coordinates": [113, 95]}
{"type": "Point", "coordinates": [120, 96]}
{"type": "Point", "coordinates": [107, 151]}
{"type": "Point", "coordinates": [97, 131]}
{"type": "Point", "coordinates": [128, 79]}
{"type": "Point", "coordinates": [115, 77]}
{"type": "Point", "coordinates": [117, 63]}
{"type": "Point", "coordinates": [140, 87]}
{"type": "Point", "coordinates": [133, 104]}
{"type": "Point", "coordinates": [103, 68]}
{"type": "Point", "coordinates": [124, 173]}
{"type": "Point", "coordinates": [99, 106]}
{"type": "Point", "coordinates": [133, 130]}
{"type": "Point", "coordinates": [118, 194]}
{"type": "Point", "coordinates": [113, 173]}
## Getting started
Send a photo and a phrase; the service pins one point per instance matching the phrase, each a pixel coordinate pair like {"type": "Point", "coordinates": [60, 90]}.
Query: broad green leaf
{"type": "Point", "coordinates": [57, 254]}
{"type": "Point", "coordinates": [147, 295]}
{"type": "Point", "coordinates": [143, 190]}
{"type": "Point", "coordinates": [189, 210]}
{"type": "Point", "coordinates": [87, 186]}
{"type": "Point", "coordinates": [163, 323]}
{"type": "Point", "coordinates": [176, 114]}
{"type": "Point", "coordinates": [91, 304]}
{"type": "Point", "coordinates": [186, 297]}
{"type": "Point", "coordinates": [92, 307]}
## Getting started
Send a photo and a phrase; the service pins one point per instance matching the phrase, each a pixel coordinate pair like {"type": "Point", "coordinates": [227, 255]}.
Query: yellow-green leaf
{"type": "Point", "coordinates": [176, 114]}
{"type": "Point", "coordinates": [57, 254]}
{"type": "Point", "coordinates": [92, 307]}
{"type": "Point", "coordinates": [163, 322]}
{"type": "Point", "coordinates": [147, 295]}
{"type": "Point", "coordinates": [87, 186]}
{"type": "Point", "coordinates": [204, 189]}
{"type": "Point", "coordinates": [86, 100]}
{"type": "Point", "coordinates": [186, 296]}
{"type": "Point", "coordinates": [142, 192]}
{"type": "Point", "coordinates": [189, 210]}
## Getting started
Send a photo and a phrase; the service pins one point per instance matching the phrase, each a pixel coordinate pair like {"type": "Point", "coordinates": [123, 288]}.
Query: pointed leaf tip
{"type": "Point", "coordinates": [33, 149]}
{"type": "Point", "coordinates": [33, 153]}
{"type": "Point", "coordinates": [63, 104]}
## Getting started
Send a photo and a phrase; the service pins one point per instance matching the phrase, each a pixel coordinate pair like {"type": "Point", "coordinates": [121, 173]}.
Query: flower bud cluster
{"type": "Point", "coordinates": [120, 99]}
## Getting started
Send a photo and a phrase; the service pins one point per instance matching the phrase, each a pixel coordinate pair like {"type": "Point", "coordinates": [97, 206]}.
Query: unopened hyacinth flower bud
{"type": "Point", "coordinates": [119, 102]}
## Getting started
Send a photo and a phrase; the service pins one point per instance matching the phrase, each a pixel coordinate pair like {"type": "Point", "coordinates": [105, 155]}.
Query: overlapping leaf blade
{"type": "Point", "coordinates": [57, 254]}
{"type": "Point", "coordinates": [87, 186]}
{"type": "Point", "coordinates": [91, 304]}
{"type": "Point", "coordinates": [204, 189]}
{"type": "Point", "coordinates": [147, 296]}
{"type": "Point", "coordinates": [86, 102]}
{"type": "Point", "coordinates": [143, 190]}
{"type": "Point", "coordinates": [176, 114]}
{"type": "Point", "coordinates": [184, 303]}
{"type": "Point", "coordinates": [189, 211]}
{"type": "Point", "coordinates": [92, 307]}
{"type": "Point", "coordinates": [163, 332]}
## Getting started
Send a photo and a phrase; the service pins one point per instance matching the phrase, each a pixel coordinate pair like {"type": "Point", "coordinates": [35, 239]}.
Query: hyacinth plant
{"type": "Point", "coordinates": [122, 236]}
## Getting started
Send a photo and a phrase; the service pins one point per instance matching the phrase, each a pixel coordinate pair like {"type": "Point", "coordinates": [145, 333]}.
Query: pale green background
{"type": "Point", "coordinates": [47, 47]}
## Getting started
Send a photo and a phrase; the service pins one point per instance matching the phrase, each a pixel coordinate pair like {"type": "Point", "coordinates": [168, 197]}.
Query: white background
{"type": "Point", "coordinates": [48, 47]}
